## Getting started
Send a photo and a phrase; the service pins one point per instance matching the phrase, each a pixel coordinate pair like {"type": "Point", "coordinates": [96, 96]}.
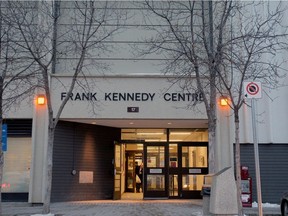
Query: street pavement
{"type": "Point", "coordinates": [122, 208]}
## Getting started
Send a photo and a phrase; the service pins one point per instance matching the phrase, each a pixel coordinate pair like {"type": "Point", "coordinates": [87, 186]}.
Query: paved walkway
{"type": "Point", "coordinates": [121, 208]}
{"type": "Point", "coordinates": [110, 208]}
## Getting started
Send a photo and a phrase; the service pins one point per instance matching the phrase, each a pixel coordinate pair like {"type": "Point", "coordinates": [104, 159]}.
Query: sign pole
{"type": "Point", "coordinates": [256, 155]}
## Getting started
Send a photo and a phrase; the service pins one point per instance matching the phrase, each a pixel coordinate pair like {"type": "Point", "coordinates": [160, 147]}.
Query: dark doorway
{"type": "Point", "coordinates": [132, 158]}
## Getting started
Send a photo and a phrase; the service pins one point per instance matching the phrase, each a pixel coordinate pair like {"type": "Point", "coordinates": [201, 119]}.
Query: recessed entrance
{"type": "Point", "coordinates": [174, 162]}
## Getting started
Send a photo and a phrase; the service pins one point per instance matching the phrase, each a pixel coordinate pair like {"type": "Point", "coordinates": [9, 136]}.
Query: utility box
{"type": "Point", "coordinates": [246, 187]}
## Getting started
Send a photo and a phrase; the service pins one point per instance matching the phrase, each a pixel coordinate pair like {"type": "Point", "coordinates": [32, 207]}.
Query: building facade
{"type": "Point", "coordinates": [134, 113]}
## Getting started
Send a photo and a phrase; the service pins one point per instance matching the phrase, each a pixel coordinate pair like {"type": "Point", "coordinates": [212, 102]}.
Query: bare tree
{"type": "Point", "coordinates": [218, 45]}
{"type": "Point", "coordinates": [17, 77]}
{"type": "Point", "coordinates": [86, 26]}
{"type": "Point", "coordinates": [252, 52]}
{"type": "Point", "coordinates": [187, 37]}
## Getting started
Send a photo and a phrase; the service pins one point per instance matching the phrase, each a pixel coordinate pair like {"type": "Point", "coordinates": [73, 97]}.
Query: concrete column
{"type": "Point", "coordinates": [223, 198]}
{"type": "Point", "coordinates": [39, 148]}
{"type": "Point", "coordinates": [225, 138]}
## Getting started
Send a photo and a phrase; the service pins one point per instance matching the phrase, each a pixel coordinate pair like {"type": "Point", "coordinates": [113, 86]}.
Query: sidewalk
{"type": "Point", "coordinates": [110, 208]}
{"type": "Point", "coordinates": [123, 208]}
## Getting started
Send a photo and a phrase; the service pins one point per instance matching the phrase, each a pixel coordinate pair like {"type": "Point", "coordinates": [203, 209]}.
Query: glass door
{"type": "Point", "coordinates": [194, 166]}
{"type": "Point", "coordinates": [188, 165]}
{"type": "Point", "coordinates": [155, 170]}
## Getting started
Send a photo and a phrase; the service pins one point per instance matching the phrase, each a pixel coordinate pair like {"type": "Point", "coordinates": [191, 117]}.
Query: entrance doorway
{"type": "Point", "coordinates": [187, 167]}
{"type": "Point", "coordinates": [174, 170]}
{"type": "Point", "coordinates": [175, 162]}
{"type": "Point", "coordinates": [126, 156]}
{"type": "Point", "coordinates": [133, 159]}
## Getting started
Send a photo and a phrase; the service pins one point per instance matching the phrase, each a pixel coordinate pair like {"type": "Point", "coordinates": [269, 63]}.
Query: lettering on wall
{"type": "Point", "coordinates": [79, 96]}
{"type": "Point", "coordinates": [132, 96]}
{"type": "Point", "coordinates": [183, 97]}
{"type": "Point", "coordinates": [129, 96]}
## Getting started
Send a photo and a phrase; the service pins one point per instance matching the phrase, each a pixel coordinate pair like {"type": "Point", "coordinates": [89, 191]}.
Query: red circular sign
{"type": "Point", "coordinates": [252, 88]}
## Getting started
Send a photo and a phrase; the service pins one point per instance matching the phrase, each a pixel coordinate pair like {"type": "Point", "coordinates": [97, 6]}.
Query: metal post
{"type": "Point", "coordinates": [256, 155]}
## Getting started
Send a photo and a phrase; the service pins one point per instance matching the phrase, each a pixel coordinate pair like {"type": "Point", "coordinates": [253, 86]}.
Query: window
{"type": "Point", "coordinates": [156, 182]}
{"type": "Point", "coordinates": [194, 156]}
{"type": "Point", "coordinates": [192, 182]}
{"type": "Point", "coordinates": [155, 156]}
{"type": "Point", "coordinates": [16, 173]}
{"type": "Point", "coordinates": [173, 155]}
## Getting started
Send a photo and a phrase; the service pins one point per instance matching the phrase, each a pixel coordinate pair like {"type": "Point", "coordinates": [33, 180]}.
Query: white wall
{"type": "Point", "coordinates": [20, 109]}
{"type": "Point", "coordinates": [157, 108]}
{"type": "Point", "coordinates": [121, 54]}
{"type": "Point", "coordinates": [271, 114]}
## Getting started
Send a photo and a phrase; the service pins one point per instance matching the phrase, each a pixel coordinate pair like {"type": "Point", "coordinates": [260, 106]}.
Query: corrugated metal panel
{"type": "Point", "coordinates": [273, 169]}
{"type": "Point", "coordinates": [83, 148]}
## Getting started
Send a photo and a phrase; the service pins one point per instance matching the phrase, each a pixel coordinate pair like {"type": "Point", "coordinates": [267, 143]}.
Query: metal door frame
{"type": "Point", "coordinates": [118, 170]}
{"type": "Point", "coordinates": [133, 153]}
{"type": "Point", "coordinates": [154, 171]}
{"type": "Point", "coordinates": [190, 194]}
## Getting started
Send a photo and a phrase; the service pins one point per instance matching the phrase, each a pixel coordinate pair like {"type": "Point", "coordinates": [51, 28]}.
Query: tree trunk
{"type": "Point", "coordinates": [47, 197]}
{"type": "Point", "coordinates": [212, 144]}
{"type": "Point", "coordinates": [1, 162]}
{"type": "Point", "coordinates": [238, 162]}
{"type": "Point", "coordinates": [1, 152]}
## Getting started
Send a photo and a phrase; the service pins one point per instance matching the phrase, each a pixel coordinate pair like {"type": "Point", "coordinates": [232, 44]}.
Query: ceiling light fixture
{"type": "Point", "coordinates": [150, 133]}
{"type": "Point", "coordinates": [180, 133]}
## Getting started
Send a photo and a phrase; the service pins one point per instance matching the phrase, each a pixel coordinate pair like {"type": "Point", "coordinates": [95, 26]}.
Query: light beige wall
{"type": "Point", "coordinates": [156, 108]}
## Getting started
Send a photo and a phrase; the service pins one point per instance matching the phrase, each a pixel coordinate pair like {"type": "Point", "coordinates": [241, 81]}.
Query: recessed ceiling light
{"type": "Point", "coordinates": [180, 133]}
{"type": "Point", "coordinates": [131, 123]}
{"type": "Point", "coordinates": [169, 123]}
{"type": "Point", "coordinates": [150, 133]}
